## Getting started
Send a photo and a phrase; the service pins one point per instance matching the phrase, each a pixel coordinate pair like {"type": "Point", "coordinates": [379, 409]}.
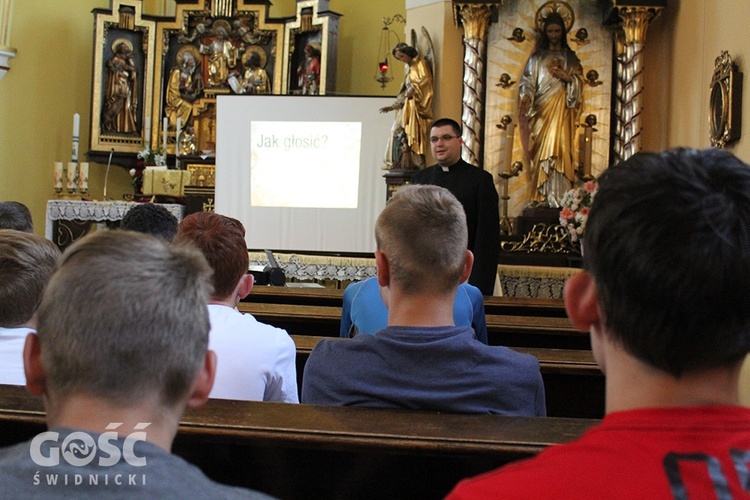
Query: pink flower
{"type": "Point", "coordinates": [584, 211]}
{"type": "Point", "coordinates": [590, 186]}
{"type": "Point", "coordinates": [567, 213]}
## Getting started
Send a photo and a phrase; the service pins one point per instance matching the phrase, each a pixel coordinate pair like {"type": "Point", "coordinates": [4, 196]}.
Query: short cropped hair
{"type": "Point", "coordinates": [221, 239]}
{"type": "Point", "coordinates": [15, 215]}
{"type": "Point", "coordinates": [151, 218]}
{"type": "Point", "coordinates": [447, 122]}
{"type": "Point", "coordinates": [668, 244]}
{"type": "Point", "coordinates": [125, 318]}
{"type": "Point", "coordinates": [26, 263]}
{"type": "Point", "coordinates": [423, 232]}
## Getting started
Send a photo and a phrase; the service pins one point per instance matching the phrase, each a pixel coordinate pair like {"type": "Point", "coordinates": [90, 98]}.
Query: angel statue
{"type": "Point", "coordinates": [413, 107]}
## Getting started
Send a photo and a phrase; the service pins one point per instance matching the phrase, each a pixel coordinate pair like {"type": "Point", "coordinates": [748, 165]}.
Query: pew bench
{"type": "Point", "coordinates": [308, 451]}
{"type": "Point", "coordinates": [573, 382]}
{"type": "Point", "coordinates": [519, 306]}
{"type": "Point", "coordinates": [508, 330]}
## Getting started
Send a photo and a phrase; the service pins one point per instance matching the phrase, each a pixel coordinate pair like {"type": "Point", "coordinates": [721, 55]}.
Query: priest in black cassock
{"type": "Point", "coordinates": [475, 190]}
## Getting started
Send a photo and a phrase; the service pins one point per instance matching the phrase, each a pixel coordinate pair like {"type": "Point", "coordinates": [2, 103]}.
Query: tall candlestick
{"type": "Point", "coordinates": [147, 138]}
{"type": "Point", "coordinates": [177, 137]}
{"type": "Point", "coordinates": [510, 131]}
{"type": "Point", "coordinates": [589, 136]}
{"type": "Point", "coordinates": [83, 177]}
{"type": "Point", "coordinates": [76, 131]}
{"type": "Point", "coordinates": [58, 176]}
{"type": "Point", "coordinates": [165, 125]}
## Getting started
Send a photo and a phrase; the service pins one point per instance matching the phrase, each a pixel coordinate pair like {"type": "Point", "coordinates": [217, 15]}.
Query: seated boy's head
{"type": "Point", "coordinates": [668, 244]}
{"type": "Point", "coordinates": [423, 233]}
{"type": "Point", "coordinates": [26, 263]}
{"type": "Point", "coordinates": [124, 319]}
{"type": "Point", "coordinates": [221, 239]}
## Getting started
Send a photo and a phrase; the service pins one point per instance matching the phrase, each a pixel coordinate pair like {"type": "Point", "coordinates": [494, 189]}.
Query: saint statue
{"type": "Point", "coordinates": [255, 79]}
{"type": "Point", "coordinates": [184, 87]}
{"type": "Point", "coordinates": [222, 56]}
{"type": "Point", "coordinates": [413, 107]}
{"type": "Point", "coordinates": [120, 92]}
{"type": "Point", "coordinates": [308, 72]}
{"type": "Point", "coordinates": [550, 102]}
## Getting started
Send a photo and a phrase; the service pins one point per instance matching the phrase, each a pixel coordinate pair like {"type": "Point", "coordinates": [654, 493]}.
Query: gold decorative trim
{"type": "Point", "coordinates": [543, 238]}
{"type": "Point", "coordinates": [725, 109]}
{"type": "Point", "coordinates": [475, 19]}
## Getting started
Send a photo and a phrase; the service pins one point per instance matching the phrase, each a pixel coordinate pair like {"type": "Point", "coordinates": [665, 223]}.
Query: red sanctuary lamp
{"type": "Point", "coordinates": [383, 78]}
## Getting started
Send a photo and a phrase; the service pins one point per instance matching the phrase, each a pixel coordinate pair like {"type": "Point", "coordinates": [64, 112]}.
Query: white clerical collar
{"type": "Point", "coordinates": [445, 169]}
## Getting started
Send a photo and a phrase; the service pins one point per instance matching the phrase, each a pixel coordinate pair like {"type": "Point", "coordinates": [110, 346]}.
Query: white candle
{"type": "Point", "coordinates": [76, 131]}
{"type": "Point", "coordinates": [165, 125]}
{"type": "Point", "coordinates": [58, 175]}
{"type": "Point", "coordinates": [177, 137]}
{"type": "Point", "coordinates": [147, 138]}
{"type": "Point", "coordinates": [83, 177]}
{"type": "Point", "coordinates": [72, 167]}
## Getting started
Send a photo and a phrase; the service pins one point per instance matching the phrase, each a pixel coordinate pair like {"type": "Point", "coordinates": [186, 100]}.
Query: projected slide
{"type": "Point", "coordinates": [302, 172]}
{"type": "Point", "coordinates": [299, 164]}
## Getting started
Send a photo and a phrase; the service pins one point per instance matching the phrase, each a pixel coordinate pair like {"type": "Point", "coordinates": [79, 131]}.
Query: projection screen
{"type": "Point", "coordinates": [302, 172]}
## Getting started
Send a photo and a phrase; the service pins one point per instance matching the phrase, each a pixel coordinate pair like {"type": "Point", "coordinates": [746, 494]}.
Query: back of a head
{"type": "Point", "coordinates": [151, 219]}
{"type": "Point", "coordinates": [15, 215]}
{"type": "Point", "coordinates": [668, 243]}
{"type": "Point", "coordinates": [423, 232]}
{"type": "Point", "coordinates": [26, 263]}
{"type": "Point", "coordinates": [221, 239]}
{"type": "Point", "coordinates": [124, 319]}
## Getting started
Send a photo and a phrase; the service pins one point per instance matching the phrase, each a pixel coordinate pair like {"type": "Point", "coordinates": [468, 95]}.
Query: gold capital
{"type": "Point", "coordinates": [635, 22]}
{"type": "Point", "coordinates": [475, 18]}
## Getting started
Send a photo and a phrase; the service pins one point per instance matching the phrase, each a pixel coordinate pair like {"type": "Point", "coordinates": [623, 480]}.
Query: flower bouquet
{"type": "Point", "coordinates": [146, 158]}
{"type": "Point", "coordinates": [576, 204]}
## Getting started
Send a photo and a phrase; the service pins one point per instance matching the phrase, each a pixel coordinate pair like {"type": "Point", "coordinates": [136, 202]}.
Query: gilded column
{"type": "Point", "coordinates": [475, 20]}
{"type": "Point", "coordinates": [630, 38]}
{"type": "Point", "coordinates": [6, 52]}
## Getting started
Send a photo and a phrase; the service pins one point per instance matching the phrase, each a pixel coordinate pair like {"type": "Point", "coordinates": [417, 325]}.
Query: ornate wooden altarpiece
{"type": "Point", "coordinates": [223, 38]}
{"type": "Point", "coordinates": [608, 36]}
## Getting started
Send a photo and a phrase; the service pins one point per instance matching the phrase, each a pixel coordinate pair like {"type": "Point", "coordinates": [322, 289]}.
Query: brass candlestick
{"type": "Point", "coordinates": [505, 225]}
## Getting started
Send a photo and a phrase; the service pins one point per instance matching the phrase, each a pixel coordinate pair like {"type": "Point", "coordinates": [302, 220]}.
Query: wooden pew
{"type": "Point", "coordinates": [525, 331]}
{"type": "Point", "coordinates": [333, 297]}
{"type": "Point", "coordinates": [573, 382]}
{"type": "Point", "coordinates": [306, 451]}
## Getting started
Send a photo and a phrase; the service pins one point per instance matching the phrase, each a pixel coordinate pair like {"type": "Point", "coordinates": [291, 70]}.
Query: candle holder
{"type": "Point", "coordinates": [506, 227]}
{"type": "Point", "coordinates": [585, 147]}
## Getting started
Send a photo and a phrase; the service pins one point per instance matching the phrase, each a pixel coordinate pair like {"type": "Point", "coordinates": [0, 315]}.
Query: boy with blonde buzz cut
{"type": "Point", "coordinates": [422, 360]}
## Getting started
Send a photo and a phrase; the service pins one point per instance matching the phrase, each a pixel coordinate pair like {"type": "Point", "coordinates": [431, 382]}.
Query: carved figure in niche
{"type": "Point", "coordinates": [308, 72]}
{"type": "Point", "coordinates": [198, 31]}
{"type": "Point", "coordinates": [186, 141]}
{"type": "Point", "coordinates": [222, 54]}
{"type": "Point", "coordinates": [413, 106]}
{"type": "Point", "coordinates": [550, 102]}
{"type": "Point", "coordinates": [184, 87]}
{"type": "Point", "coordinates": [121, 100]}
{"type": "Point", "coordinates": [255, 79]}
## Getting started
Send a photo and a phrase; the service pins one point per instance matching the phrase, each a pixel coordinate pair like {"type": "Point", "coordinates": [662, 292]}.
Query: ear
{"type": "Point", "coordinates": [245, 285]}
{"type": "Point", "coordinates": [203, 382]}
{"type": "Point", "coordinates": [32, 365]}
{"type": "Point", "coordinates": [582, 301]}
{"type": "Point", "coordinates": [468, 265]}
{"type": "Point", "coordinates": [384, 269]}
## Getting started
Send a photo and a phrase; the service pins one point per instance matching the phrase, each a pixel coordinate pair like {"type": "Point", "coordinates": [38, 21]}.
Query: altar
{"type": "Point", "coordinates": [68, 220]}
